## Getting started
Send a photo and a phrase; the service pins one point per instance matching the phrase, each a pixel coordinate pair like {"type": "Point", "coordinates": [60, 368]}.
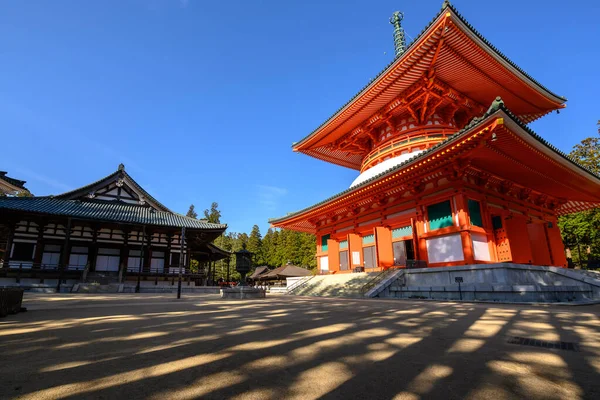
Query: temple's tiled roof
{"type": "Point", "coordinates": [446, 5]}
{"type": "Point", "coordinates": [496, 106]}
{"type": "Point", "coordinates": [12, 181]}
{"type": "Point", "coordinates": [106, 211]}
{"type": "Point", "coordinates": [121, 171]}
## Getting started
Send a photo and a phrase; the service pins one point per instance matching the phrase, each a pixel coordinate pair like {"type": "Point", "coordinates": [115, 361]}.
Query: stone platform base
{"type": "Point", "coordinates": [503, 282]}
{"type": "Point", "coordinates": [242, 292]}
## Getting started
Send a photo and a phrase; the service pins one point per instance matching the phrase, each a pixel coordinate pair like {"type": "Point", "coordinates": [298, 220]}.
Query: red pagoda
{"type": "Point", "coordinates": [450, 173]}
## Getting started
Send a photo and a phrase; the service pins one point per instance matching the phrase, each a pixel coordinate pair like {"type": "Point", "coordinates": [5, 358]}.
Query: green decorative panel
{"type": "Point", "coordinates": [440, 215]}
{"type": "Point", "coordinates": [324, 240]}
{"type": "Point", "coordinates": [368, 239]}
{"type": "Point", "coordinates": [343, 244]}
{"type": "Point", "coordinates": [475, 213]}
{"type": "Point", "coordinates": [401, 232]}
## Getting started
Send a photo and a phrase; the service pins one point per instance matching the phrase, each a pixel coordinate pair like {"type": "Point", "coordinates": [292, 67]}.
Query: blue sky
{"type": "Point", "coordinates": [201, 100]}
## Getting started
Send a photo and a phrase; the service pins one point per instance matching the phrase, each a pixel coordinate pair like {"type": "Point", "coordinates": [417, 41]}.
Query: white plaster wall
{"type": "Point", "coordinates": [445, 249]}
{"type": "Point", "coordinates": [324, 263]}
{"type": "Point", "coordinates": [481, 249]}
{"type": "Point", "coordinates": [383, 166]}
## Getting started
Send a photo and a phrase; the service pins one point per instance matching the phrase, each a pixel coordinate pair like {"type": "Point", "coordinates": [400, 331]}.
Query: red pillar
{"type": "Point", "coordinates": [333, 252]}
{"type": "Point", "coordinates": [355, 246]}
{"type": "Point", "coordinates": [385, 252]}
{"type": "Point", "coordinates": [464, 224]}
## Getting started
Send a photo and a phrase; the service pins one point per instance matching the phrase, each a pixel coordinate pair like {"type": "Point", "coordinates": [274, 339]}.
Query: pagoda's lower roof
{"type": "Point", "coordinates": [525, 155]}
{"type": "Point", "coordinates": [104, 211]}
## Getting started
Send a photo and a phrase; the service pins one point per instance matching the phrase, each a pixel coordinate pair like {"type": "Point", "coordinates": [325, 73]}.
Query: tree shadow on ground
{"type": "Point", "coordinates": [290, 347]}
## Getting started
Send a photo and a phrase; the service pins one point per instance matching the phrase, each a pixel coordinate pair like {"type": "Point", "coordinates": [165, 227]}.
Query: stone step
{"type": "Point", "coordinates": [97, 288]}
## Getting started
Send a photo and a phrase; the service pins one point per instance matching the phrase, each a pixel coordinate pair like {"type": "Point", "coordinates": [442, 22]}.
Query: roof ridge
{"type": "Point", "coordinates": [143, 190]}
{"type": "Point", "coordinates": [118, 172]}
{"type": "Point", "coordinates": [501, 54]}
{"type": "Point", "coordinates": [446, 5]}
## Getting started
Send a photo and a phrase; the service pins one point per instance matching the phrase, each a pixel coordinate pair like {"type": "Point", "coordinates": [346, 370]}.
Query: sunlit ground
{"type": "Point", "coordinates": [153, 346]}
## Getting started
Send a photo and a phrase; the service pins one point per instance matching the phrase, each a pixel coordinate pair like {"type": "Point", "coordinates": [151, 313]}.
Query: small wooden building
{"type": "Point", "coordinates": [279, 275]}
{"type": "Point", "coordinates": [111, 227]}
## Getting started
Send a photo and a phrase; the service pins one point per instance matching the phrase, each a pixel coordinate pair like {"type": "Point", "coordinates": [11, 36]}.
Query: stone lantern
{"type": "Point", "coordinates": [243, 264]}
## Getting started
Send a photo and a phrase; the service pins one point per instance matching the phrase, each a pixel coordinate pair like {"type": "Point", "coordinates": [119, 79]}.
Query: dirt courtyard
{"type": "Point", "coordinates": [154, 346]}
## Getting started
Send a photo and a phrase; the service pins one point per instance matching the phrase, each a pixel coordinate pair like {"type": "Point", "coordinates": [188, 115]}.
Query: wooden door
{"type": "Point", "coordinates": [399, 252]}
{"type": "Point", "coordinates": [501, 239]}
{"type": "Point", "coordinates": [344, 260]}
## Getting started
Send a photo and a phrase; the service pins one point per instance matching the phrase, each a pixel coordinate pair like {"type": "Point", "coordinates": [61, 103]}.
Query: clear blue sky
{"type": "Point", "coordinates": [201, 100]}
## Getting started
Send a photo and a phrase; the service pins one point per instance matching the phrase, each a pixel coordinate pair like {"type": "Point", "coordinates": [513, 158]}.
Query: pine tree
{"type": "Point", "coordinates": [267, 248]}
{"type": "Point", "coordinates": [255, 245]}
{"type": "Point", "coordinates": [192, 212]}
{"type": "Point", "coordinates": [213, 215]}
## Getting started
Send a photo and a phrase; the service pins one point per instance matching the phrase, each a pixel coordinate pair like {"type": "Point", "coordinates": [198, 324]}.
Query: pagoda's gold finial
{"type": "Point", "coordinates": [399, 40]}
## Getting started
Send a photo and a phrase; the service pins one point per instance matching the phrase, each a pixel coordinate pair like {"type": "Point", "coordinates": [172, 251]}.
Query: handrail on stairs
{"type": "Point", "coordinates": [378, 278]}
{"type": "Point", "coordinates": [299, 284]}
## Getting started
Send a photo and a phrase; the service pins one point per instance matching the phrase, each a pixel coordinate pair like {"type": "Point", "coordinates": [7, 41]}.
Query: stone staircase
{"type": "Point", "coordinates": [338, 285]}
{"type": "Point", "coordinates": [101, 278]}
{"type": "Point", "coordinates": [99, 282]}
{"type": "Point", "coordinates": [97, 288]}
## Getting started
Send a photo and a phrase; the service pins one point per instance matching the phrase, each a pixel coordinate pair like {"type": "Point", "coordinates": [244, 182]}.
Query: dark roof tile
{"type": "Point", "coordinates": [109, 211]}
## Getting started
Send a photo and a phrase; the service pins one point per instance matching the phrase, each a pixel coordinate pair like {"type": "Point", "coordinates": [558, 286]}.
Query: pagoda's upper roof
{"type": "Point", "coordinates": [588, 182]}
{"type": "Point", "coordinates": [452, 51]}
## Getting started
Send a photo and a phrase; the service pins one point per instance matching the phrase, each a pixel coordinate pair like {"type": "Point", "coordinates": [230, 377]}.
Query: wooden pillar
{"type": "Point", "coordinates": [148, 253]}
{"type": "Point", "coordinates": [333, 253]}
{"type": "Point", "coordinates": [421, 224]}
{"type": "Point", "coordinates": [124, 256]}
{"type": "Point", "coordinates": [208, 272]}
{"type": "Point", "coordinates": [355, 246]}
{"type": "Point", "coordinates": [214, 271]}
{"type": "Point", "coordinates": [93, 249]}
{"type": "Point", "coordinates": [557, 249]}
{"type": "Point", "coordinates": [64, 255]}
{"type": "Point", "coordinates": [168, 252]}
{"type": "Point", "coordinates": [415, 239]}
{"type": "Point", "coordinates": [385, 251]}
{"type": "Point", "coordinates": [39, 247]}
{"type": "Point", "coordinates": [464, 225]}
{"type": "Point", "coordinates": [9, 242]}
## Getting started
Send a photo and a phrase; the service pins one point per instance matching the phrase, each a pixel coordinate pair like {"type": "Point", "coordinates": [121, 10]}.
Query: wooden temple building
{"type": "Point", "coordinates": [11, 186]}
{"type": "Point", "coordinates": [111, 227]}
{"type": "Point", "coordinates": [449, 172]}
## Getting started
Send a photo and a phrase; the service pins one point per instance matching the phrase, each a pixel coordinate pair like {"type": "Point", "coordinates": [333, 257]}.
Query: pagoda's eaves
{"type": "Point", "coordinates": [497, 110]}
{"type": "Point", "coordinates": [460, 58]}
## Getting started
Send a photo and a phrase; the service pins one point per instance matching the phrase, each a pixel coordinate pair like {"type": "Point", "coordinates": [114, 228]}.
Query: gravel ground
{"type": "Point", "coordinates": [157, 347]}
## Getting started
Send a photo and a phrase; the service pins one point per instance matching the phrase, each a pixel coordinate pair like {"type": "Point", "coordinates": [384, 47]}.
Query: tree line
{"type": "Point", "coordinates": [274, 249]}
{"type": "Point", "coordinates": [581, 231]}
